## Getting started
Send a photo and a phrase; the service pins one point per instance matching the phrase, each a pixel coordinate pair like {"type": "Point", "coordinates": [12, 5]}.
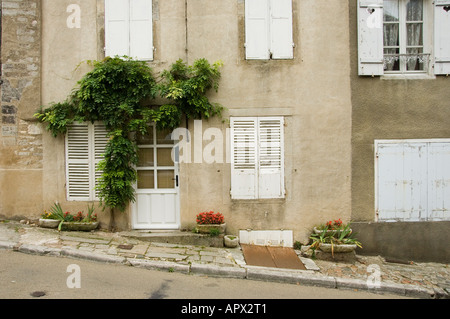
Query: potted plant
{"type": "Point", "coordinates": [79, 221]}
{"type": "Point", "coordinates": [334, 238]}
{"type": "Point", "coordinates": [48, 220]}
{"type": "Point", "coordinates": [208, 221]}
{"type": "Point", "coordinates": [230, 241]}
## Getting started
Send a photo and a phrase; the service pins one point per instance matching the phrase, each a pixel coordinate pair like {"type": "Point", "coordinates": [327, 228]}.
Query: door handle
{"type": "Point", "coordinates": [176, 180]}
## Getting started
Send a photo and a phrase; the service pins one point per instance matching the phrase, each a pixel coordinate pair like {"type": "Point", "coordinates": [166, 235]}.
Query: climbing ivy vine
{"type": "Point", "coordinates": [119, 92]}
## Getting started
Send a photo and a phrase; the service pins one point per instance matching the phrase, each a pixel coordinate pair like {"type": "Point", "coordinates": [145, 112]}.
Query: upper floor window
{"type": "Point", "coordinates": [129, 28]}
{"type": "Point", "coordinates": [403, 37]}
{"type": "Point", "coordinates": [268, 29]}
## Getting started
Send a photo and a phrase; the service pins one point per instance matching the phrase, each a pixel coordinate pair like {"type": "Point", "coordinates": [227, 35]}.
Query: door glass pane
{"type": "Point", "coordinates": [146, 179]}
{"type": "Point", "coordinates": [145, 139]}
{"type": "Point", "coordinates": [166, 179]}
{"type": "Point", "coordinates": [145, 157]}
{"type": "Point", "coordinates": [164, 137]}
{"type": "Point", "coordinates": [164, 157]}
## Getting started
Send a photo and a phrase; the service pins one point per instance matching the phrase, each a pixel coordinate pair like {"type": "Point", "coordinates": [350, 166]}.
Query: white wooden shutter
{"type": "Point", "coordinates": [370, 37]}
{"type": "Point", "coordinates": [244, 158]}
{"type": "Point", "coordinates": [439, 181]}
{"type": "Point", "coordinates": [270, 157]}
{"type": "Point", "coordinates": [117, 31]}
{"type": "Point", "coordinates": [77, 162]}
{"type": "Point", "coordinates": [257, 40]}
{"type": "Point", "coordinates": [442, 37]}
{"type": "Point", "coordinates": [100, 140]}
{"type": "Point", "coordinates": [402, 181]}
{"type": "Point", "coordinates": [282, 45]}
{"type": "Point", "coordinates": [141, 29]}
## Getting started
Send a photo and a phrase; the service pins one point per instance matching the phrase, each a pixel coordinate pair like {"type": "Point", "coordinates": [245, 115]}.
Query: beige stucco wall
{"type": "Point", "coordinates": [312, 91]}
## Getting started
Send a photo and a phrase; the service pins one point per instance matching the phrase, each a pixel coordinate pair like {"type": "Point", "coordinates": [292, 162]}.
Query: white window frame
{"type": "Point", "coordinates": [371, 37]}
{"type": "Point", "coordinates": [269, 30]}
{"type": "Point", "coordinates": [135, 44]}
{"type": "Point", "coordinates": [82, 155]}
{"type": "Point", "coordinates": [427, 27]}
{"type": "Point", "coordinates": [248, 147]}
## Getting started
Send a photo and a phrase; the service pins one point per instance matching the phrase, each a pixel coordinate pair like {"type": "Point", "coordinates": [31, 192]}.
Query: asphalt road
{"type": "Point", "coordinates": [22, 276]}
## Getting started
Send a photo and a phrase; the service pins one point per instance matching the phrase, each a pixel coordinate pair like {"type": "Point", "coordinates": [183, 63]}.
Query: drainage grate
{"type": "Point", "coordinates": [267, 256]}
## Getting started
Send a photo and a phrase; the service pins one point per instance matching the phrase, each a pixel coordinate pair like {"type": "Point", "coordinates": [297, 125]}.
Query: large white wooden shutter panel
{"type": "Point", "coordinates": [282, 46]}
{"type": "Point", "coordinates": [257, 40]}
{"type": "Point", "coordinates": [442, 37]}
{"type": "Point", "coordinates": [439, 181]}
{"type": "Point", "coordinates": [77, 162]}
{"type": "Point", "coordinates": [270, 157]}
{"type": "Point", "coordinates": [370, 37]}
{"type": "Point", "coordinates": [402, 182]}
{"type": "Point", "coordinates": [100, 140]}
{"type": "Point", "coordinates": [244, 158]}
{"type": "Point", "coordinates": [141, 29]}
{"type": "Point", "coordinates": [117, 28]}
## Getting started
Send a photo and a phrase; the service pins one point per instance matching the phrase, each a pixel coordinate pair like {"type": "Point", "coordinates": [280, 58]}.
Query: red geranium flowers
{"type": "Point", "coordinates": [209, 218]}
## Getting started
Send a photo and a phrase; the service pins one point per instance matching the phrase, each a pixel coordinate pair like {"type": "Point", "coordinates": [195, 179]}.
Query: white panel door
{"type": "Point", "coordinates": [439, 181]}
{"type": "Point", "coordinates": [413, 180]}
{"type": "Point", "coordinates": [157, 189]}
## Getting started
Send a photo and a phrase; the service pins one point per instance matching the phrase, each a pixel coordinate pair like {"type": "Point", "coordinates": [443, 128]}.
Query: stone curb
{"type": "Point", "coordinates": [159, 265]}
{"type": "Point", "coordinates": [305, 277]}
{"type": "Point", "coordinates": [219, 271]}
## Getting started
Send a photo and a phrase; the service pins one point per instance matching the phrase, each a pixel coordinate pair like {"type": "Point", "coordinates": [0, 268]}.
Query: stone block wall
{"type": "Point", "coordinates": [21, 152]}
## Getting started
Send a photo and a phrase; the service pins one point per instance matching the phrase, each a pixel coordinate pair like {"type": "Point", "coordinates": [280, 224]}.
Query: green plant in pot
{"type": "Point", "coordinates": [336, 240]}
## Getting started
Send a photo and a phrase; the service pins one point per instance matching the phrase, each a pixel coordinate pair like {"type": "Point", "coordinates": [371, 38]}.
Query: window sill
{"type": "Point", "coordinates": [403, 76]}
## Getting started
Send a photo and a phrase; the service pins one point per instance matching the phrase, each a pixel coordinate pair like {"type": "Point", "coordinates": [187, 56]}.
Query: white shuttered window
{"type": "Point", "coordinates": [85, 146]}
{"type": "Point", "coordinates": [129, 28]}
{"type": "Point", "coordinates": [403, 37]}
{"type": "Point", "coordinates": [257, 166]}
{"type": "Point", "coordinates": [268, 29]}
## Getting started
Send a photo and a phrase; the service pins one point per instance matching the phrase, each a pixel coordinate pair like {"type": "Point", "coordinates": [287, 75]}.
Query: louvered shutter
{"type": "Point", "coordinates": [77, 162]}
{"type": "Point", "coordinates": [282, 46]}
{"type": "Point", "coordinates": [141, 29]}
{"type": "Point", "coordinates": [370, 37]}
{"type": "Point", "coordinates": [100, 140]}
{"type": "Point", "coordinates": [270, 157]}
{"type": "Point", "coordinates": [244, 158]}
{"type": "Point", "coordinates": [442, 37]}
{"type": "Point", "coordinates": [117, 28]}
{"type": "Point", "coordinates": [257, 40]}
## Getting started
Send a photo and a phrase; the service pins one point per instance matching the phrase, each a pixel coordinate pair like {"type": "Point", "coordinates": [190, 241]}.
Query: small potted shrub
{"type": "Point", "coordinates": [207, 221]}
{"type": "Point", "coordinates": [334, 237]}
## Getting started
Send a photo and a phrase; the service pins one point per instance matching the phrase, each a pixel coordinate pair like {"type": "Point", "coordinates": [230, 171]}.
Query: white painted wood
{"type": "Point", "coordinates": [370, 37]}
{"type": "Point", "coordinates": [439, 181]}
{"type": "Point", "coordinates": [117, 33]}
{"type": "Point", "coordinates": [244, 163]}
{"type": "Point", "coordinates": [413, 180]}
{"type": "Point", "coordinates": [283, 238]}
{"type": "Point", "coordinates": [157, 208]}
{"type": "Point", "coordinates": [85, 146]}
{"type": "Point", "coordinates": [141, 29]}
{"type": "Point", "coordinates": [271, 157]}
{"type": "Point", "coordinates": [282, 44]}
{"type": "Point", "coordinates": [441, 37]}
{"type": "Point", "coordinates": [257, 38]}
